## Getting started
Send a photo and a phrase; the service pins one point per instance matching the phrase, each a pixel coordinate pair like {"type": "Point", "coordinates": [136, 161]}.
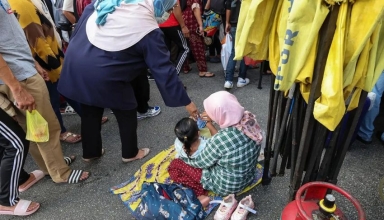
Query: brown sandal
{"type": "Point", "coordinates": [206, 74]}
{"type": "Point", "coordinates": [70, 138]}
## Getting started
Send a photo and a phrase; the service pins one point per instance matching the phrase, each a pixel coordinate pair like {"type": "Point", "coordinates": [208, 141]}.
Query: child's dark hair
{"type": "Point", "coordinates": [186, 131]}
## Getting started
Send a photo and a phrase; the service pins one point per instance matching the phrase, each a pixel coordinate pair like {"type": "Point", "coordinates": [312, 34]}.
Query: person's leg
{"type": "Point", "coordinates": [54, 97]}
{"type": "Point", "coordinates": [91, 131]}
{"type": "Point", "coordinates": [47, 155]}
{"type": "Point", "coordinates": [127, 122]}
{"type": "Point", "coordinates": [141, 90]}
{"type": "Point", "coordinates": [75, 105]}
{"type": "Point", "coordinates": [243, 69]}
{"type": "Point", "coordinates": [15, 147]}
{"type": "Point", "coordinates": [366, 128]}
{"type": "Point", "coordinates": [197, 48]}
{"type": "Point", "coordinates": [55, 102]}
{"type": "Point", "coordinates": [231, 63]}
{"type": "Point", "coordinates": [189, 176]}
{"type": "Point", "coordinates": [178, 38]}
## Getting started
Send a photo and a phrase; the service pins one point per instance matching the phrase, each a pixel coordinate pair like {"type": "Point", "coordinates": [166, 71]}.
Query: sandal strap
{"type": "Point", "coordinates": [220, 202]}
{"type": "Point", "coordinates": [68, 160]}
{"type": "Point", "coordinates": [21, 206]}
{"type": "Point", "coordinates": [247, 208]}
{"type": "Point", "coordinates": [75, 176]}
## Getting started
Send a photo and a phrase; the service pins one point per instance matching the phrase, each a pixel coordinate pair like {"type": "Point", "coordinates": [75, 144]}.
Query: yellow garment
{"type": "Point", "coordinates": [279, 22]}
{"type": "Point", "coordinates": [354, 89]}
{"type": "Point", "coordinates": [298, 42]}
{"type": "Point", "coordinates": [253, 29]}
{"type": "Point", "coordinates": [365, 17]}
{"type": "Point", "coordinates": [330, 107]}
{"type": "Point", "coordinates": [376, 60]}
{"type": "Point", "coordinates": [40, 34]}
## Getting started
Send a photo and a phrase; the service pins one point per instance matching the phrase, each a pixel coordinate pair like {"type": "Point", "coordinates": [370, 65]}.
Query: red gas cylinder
{"type": "Point", "coordinates": [313, 203]}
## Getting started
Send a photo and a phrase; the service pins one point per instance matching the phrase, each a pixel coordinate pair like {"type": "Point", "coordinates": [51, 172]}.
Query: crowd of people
{"type": "Point", "coordinates": [152, 39]}
{"type": "Point", "coordinates": [35, 76]}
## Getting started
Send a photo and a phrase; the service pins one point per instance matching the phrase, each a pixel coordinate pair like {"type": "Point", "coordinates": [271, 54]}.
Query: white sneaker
{"type": "Point", "coordinates": [225, 210]}
{"type": "Point", "coordinates": [245, 206]}
{"type": "Point", "coordinates": [242, 82]}
{"type": "Point", "coordinates": [228, 84]}
{"type": "Point", "coordinates": [152, 111]}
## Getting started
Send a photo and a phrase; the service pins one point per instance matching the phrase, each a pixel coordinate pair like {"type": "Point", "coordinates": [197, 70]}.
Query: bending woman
{"type": "Point", "coordinates": [108, 49]}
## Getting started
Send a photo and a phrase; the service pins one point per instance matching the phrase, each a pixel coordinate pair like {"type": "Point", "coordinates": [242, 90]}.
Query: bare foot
{"type": "Point", "coordinates": [204, 200]}
{"type": "Point", "coordinates": [84, 176]}
{"type": "Point", "coordinates": [31, 207]}
{"type": "Point", "coordinates": [29, 180]}
{"type": "Point", "coordinates": [141, 154]}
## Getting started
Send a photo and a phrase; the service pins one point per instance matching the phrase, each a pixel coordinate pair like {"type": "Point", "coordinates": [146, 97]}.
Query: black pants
{"type": "Point", "coordinates": [91, 131]}
{"type": "Point", "coordinates": [174, 34]}
{"type": "Point", "coordinates": [141, 89]}
{"type": "Point", "coordinates": [126, 119]}
{"type": "Point", "coordinates": [215, 47]}
{"type": "Point", "coordinates": [13, 151]}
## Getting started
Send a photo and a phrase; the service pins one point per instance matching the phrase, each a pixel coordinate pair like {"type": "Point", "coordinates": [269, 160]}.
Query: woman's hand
{"type": "Point", "coordinates": [201, 30]}
{"type": "Point", "coordinates": [185, 31]}
{"type": "Point", "coordinates": [192, 110]}
{"type": "Point", "coordinates": [205, 117]}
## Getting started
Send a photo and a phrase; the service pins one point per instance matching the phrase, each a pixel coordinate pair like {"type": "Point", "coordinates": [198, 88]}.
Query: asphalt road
{"type": "Point", "coordinates": [360, 175]}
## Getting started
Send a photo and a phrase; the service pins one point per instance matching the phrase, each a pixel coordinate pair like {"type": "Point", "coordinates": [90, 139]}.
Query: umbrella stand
{"type": "Point", "coordinates": [262, 66]}
{"type": "Point", "coordinates": [266, 180]}
{"type": "Point", "coordinates": [295, 118]}
{"type": "Point", "coordinates": [325, 39]}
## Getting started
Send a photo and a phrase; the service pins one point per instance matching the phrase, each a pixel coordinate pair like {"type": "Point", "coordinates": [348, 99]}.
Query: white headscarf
{"type": "Point", "coordinates": [116, 28]}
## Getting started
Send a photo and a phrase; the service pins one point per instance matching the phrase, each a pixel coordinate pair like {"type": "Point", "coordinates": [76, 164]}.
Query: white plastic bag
{"type": "Point", "coordinates": [226, 50]}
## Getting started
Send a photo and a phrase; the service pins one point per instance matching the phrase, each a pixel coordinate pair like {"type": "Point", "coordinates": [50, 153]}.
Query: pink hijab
{"type": "Point", "coordinates": [223, 108]}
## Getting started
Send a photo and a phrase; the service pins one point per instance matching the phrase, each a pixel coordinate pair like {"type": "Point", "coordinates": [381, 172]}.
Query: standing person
{"type": "Point", "coordinates": [45, 45]}
{"type": "Point", "coordinates": [100, 75]}
{"type": "Point", "coordinates": [221, 7]}
{"type": "Point", "coordinates": [193, 20]}
{"type": "Point", "coordinates": [69, 12]}
{"type": "Point", "coordinates": [367, 128]}
{"type": "Point", "coordinates": [230, 28]}
{"type": "Point", "coordinates": [13, 151]}
{"type": "Point", "coordinates": [174, 30]}
{"type": "Point", "coordinates": [20, 81]}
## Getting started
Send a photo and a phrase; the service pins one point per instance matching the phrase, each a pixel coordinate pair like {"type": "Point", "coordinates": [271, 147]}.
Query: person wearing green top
{"type": "Point", "coordinates": [228, 161]}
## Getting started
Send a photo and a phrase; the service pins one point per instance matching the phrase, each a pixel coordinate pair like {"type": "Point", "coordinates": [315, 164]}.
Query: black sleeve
{"type": "Point", "coordinates": [228, 4]}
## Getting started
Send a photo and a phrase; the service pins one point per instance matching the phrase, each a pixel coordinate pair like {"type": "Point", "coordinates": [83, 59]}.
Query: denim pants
{"type": "Point", "coordinates": [366, 127]}
{"type": "Point", "coordinates": [55, 102]}
{"type": "Point", "coordinates": [232, 63]}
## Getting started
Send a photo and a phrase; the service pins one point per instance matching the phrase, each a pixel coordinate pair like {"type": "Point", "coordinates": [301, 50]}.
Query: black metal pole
{"type": "Point", "coordinates": [327, 31]}
{"type": "Point", "coordinates": [266, 180]}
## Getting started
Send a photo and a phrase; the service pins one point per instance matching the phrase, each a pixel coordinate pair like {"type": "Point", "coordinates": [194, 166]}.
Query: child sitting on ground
{"type": "Point", "coordinates": [189, 144]}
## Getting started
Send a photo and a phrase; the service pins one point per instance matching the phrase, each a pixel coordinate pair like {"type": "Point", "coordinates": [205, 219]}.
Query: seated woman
{"type": "Point", "coordinates": [228, 161]}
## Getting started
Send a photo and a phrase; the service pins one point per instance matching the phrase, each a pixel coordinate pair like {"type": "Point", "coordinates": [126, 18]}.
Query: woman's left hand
{"type": "Point", "coordinates": [201, 31]}
{"type": "Point", "coordinates": [192, 110]}
{"type": "Point", "coordinates": [205, 117]}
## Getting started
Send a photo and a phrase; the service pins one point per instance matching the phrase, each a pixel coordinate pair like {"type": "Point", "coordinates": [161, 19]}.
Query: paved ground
{"type": "Point", "coordinates": [360, 175]}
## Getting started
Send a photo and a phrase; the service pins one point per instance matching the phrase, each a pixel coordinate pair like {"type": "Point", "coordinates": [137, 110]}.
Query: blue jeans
{"type": "Point", "coordinates": [232, 63]}
{"type": "Point", "coordinates": [366, 127]}
{"type": "Point", "coordinates": [55, 102]}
